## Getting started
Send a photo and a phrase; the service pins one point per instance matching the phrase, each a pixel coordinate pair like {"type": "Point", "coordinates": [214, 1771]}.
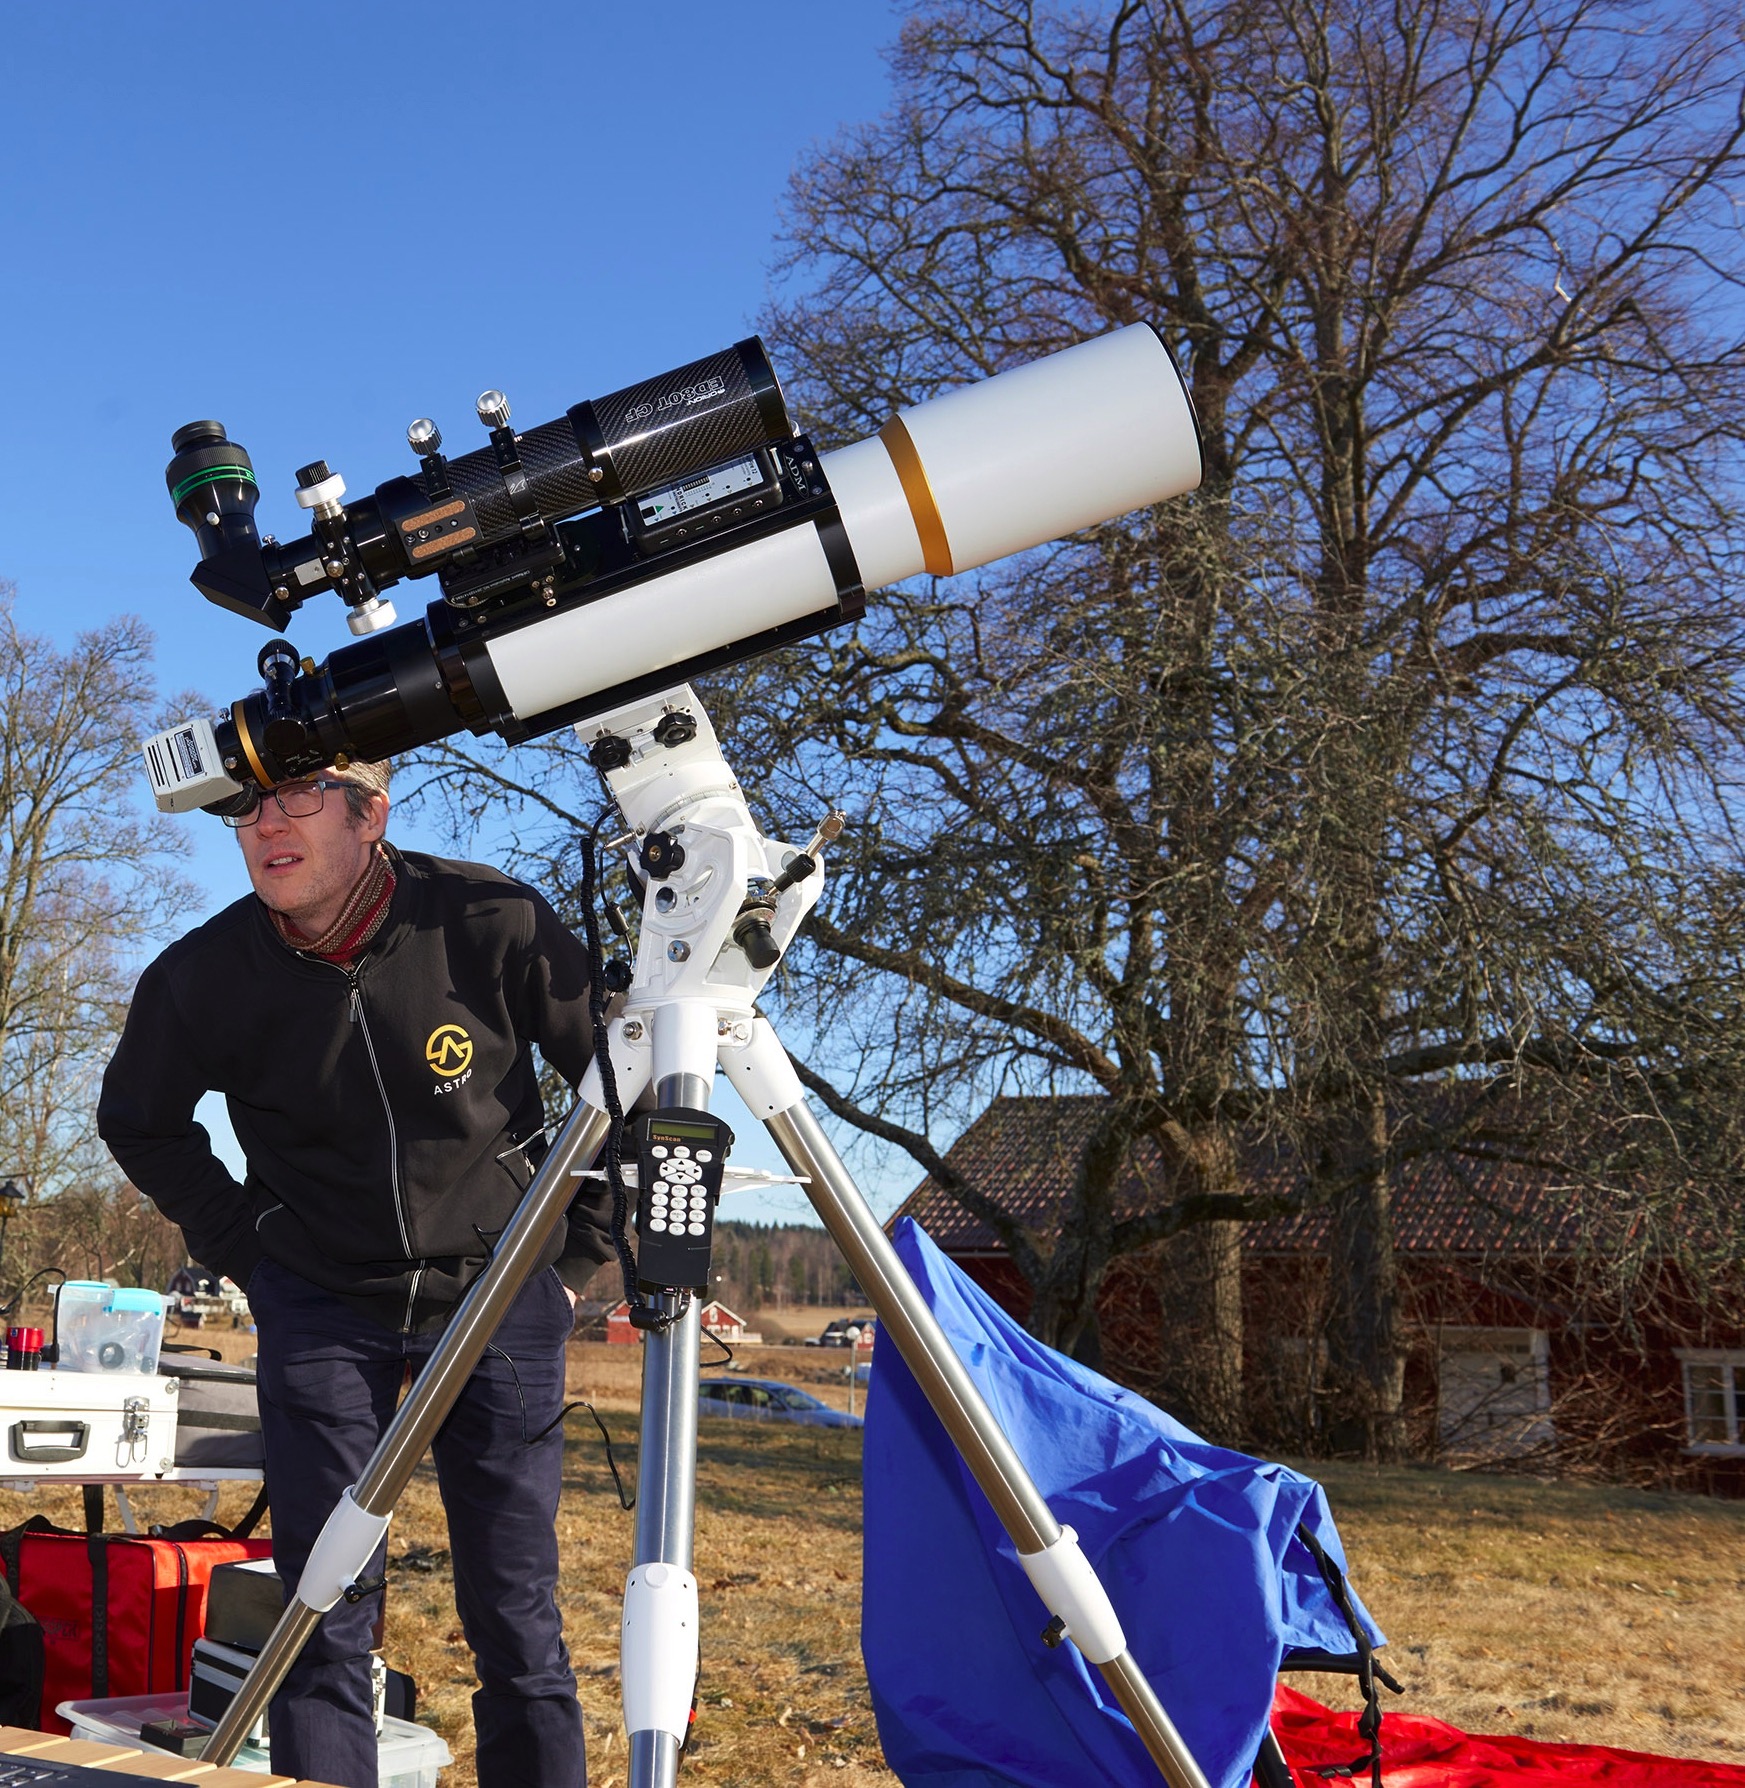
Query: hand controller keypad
{"type": "Point", "coordinates": [680, 1158]}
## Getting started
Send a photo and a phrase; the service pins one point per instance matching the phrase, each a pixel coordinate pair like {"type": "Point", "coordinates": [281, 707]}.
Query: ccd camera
{"type": "Point", "coordinates": [639, 540]}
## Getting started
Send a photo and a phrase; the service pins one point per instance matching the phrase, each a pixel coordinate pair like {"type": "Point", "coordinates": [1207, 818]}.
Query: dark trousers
{"type": "Point", "coordinates": [329, 1381]}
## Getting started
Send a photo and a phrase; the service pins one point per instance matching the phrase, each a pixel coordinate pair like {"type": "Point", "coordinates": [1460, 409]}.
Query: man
{"type": "Point", "coordinates": [370, 1017]}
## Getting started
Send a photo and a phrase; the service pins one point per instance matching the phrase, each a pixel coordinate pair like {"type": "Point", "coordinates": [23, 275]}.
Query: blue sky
{"type": "Point", "coordinates": [315, 222]}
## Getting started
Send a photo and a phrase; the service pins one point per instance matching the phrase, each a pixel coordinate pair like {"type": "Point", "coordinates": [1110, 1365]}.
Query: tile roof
{"type": "Point", "coordinates": [1023, 1153]}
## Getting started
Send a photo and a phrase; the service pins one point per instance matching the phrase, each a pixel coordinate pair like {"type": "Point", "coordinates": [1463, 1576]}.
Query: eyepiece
{"type": "Point", "coordinates": [197, 434]}
{"type": "Point", "coordinates": [211, 482]}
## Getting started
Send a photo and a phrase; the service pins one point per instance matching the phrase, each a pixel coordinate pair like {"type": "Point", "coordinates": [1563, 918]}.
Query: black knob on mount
{"type": "Point", "coordinates": [313, 473]}
{"type": "Point", "coordinates": [609, 753]}
{"type": "Point", "coordinates": [662, 855]}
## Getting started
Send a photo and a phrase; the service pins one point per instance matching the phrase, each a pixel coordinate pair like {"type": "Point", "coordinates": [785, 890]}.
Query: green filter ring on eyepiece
{"type": "Point", "coordinates": [211, 475]}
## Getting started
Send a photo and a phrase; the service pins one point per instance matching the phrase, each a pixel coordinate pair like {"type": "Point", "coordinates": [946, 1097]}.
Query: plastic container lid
{"type": "Point", "coordinates": [135, 1297]}
{"type": "Point", "coordinates": [404, 1749]}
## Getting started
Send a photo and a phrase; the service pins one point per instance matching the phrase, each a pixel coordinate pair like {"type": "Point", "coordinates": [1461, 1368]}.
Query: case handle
{"type": "Point", "coordinates": [28, 1454]}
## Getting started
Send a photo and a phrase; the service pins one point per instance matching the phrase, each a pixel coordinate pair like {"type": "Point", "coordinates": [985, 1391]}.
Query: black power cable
{"type": "Point", "coordinates": [1369, 1667]}
{"type": "Point", "coordinates": [598, 996]}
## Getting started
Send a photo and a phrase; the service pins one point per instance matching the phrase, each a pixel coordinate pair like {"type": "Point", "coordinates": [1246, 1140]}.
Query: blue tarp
{"type": "Point", "coordinates": [1194, 1544]}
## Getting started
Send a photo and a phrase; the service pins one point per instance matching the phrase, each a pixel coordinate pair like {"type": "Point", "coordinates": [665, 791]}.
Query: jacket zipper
{"type": "Point", "coordinates": [363, 1024]}
{"type": "Point", "coordinates": [411, 1300]}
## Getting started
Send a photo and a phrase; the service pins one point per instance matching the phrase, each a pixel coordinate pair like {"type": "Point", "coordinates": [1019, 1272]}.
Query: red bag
{"type": "Point", "coordinates": [119, 1612]}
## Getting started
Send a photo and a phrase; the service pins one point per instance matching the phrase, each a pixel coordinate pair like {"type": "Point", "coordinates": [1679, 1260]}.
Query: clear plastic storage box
{"type": "Point", "coordinates": [108, 1328]}
{"type": "Point", "coordinates": [408, 1755]}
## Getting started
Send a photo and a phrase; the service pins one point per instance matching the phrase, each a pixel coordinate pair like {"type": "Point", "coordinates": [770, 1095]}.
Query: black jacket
{"type": "Point", "coordinates": [386, 1112]}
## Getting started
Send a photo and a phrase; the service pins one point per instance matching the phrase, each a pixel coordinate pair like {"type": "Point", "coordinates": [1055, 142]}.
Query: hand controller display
{"type": "Point", "coordinates": [680, 1158]}
{"type": "Point", "coordinates": [641, 539]}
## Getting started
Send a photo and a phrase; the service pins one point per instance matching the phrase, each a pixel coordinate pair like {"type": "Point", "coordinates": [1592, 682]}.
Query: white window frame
{"type": "Point", "coordinates": [1731, 1360]}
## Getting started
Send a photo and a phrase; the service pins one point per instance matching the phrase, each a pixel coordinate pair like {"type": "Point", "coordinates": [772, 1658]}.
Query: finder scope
{"type": "Point", "coordinates": [640, 540]}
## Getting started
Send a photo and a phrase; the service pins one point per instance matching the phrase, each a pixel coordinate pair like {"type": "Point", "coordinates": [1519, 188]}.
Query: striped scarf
{"type": "Point", "coordinates": [362, 916]}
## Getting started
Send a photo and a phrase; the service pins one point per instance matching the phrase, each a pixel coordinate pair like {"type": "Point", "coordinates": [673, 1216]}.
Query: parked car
{"type": "Point", "coordinates": [836, 1333]}
{"type": "Point", "coordinates": [763, 1400]}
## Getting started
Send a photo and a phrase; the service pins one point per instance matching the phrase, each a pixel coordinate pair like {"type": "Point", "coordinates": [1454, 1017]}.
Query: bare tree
{"type": "Point", "coordinates": [1394, 755]}
{"type": "Point", "coordinates": [1457, 296]}
{"type": "Point", "coordinates": [105, 1229]}
{"type": "Point", "coordinates": [87, 875]}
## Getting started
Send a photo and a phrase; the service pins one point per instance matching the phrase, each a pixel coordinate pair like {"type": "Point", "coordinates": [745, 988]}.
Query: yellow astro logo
{"type": "Point", "coordinates": [449, 1051]}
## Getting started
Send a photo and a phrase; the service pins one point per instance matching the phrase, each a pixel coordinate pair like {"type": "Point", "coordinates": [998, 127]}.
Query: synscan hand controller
{"type": "Point", "coordinates": [680, 1158]}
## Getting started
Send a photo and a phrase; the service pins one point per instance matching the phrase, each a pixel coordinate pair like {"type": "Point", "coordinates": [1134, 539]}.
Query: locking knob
{"type": "Point", "coordinates": [662, 855]}
{"type": "Point", "coordinates": [493, 409]}
{"type": "Point", "coordinates": [319, 489]}
{"type": "Point", "coordinates": [679, 727]}
{"type": "Point", "coordinates": [423, 436]}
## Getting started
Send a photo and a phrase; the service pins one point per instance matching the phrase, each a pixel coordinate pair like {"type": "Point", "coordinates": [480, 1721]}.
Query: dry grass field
{"type": "Point", "coordinates": [1562, 1612]}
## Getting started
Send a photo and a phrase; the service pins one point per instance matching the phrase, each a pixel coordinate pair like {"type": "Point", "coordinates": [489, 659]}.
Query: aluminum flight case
{"type": "Point", "coordinates": [86, 1427]}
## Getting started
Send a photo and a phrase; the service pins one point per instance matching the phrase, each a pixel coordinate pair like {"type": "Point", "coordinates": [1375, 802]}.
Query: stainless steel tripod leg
{"type": "Point", "coordinates": [658, 1645]}
{"type": "Point", "coordinates": [1049, 1553]}
{"type": "Point", "coordinates": [353, 1529]}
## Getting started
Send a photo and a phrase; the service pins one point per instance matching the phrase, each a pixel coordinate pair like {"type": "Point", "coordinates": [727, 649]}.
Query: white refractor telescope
{"type": "Point", "coordinates": [641, 540]}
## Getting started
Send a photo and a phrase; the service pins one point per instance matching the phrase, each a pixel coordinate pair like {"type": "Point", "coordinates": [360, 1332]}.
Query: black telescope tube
{"type": "Point", "coordinates": [663, 429]}
{"type": "Point", "coordinates": [390, 692]}
{"type": "Point", "coordinates": [605, 450]}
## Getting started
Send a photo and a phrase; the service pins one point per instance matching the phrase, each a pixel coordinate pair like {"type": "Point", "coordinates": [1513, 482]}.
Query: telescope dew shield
{"type": "Point", "coordinates": [1087, 434]}
{"type": "Point", "coordinates": [1064, 443]}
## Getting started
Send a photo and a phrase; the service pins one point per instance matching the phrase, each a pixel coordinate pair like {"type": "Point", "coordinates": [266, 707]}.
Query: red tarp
{"type": "Point", "coordinates": [1418, 1752]}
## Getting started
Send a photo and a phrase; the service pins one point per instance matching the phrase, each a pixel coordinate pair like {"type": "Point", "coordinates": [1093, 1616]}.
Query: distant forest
{"type": "Point", "coordinates": [767, 1265]}
{"type": "Point", "coordinates": [780, 1264]}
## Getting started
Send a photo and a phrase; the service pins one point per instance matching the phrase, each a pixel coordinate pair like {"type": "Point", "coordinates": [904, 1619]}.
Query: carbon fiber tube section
{"type": "Point", "coordinates": [657, 431]}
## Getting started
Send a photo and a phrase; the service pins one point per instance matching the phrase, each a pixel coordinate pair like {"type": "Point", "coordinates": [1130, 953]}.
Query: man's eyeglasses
{"type": "Point", "coordinates": [297, 800]}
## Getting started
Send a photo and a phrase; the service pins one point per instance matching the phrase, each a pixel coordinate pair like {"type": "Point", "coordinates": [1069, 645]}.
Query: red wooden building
{"type": "Point", "coordinates": [1519, 1349]}
{"type": "Point", "coordinates": [615, 1326]}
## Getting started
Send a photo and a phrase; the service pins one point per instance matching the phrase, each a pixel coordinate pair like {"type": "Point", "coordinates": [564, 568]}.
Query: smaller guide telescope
{"type": "Point", "coordinates": [638, 541]}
